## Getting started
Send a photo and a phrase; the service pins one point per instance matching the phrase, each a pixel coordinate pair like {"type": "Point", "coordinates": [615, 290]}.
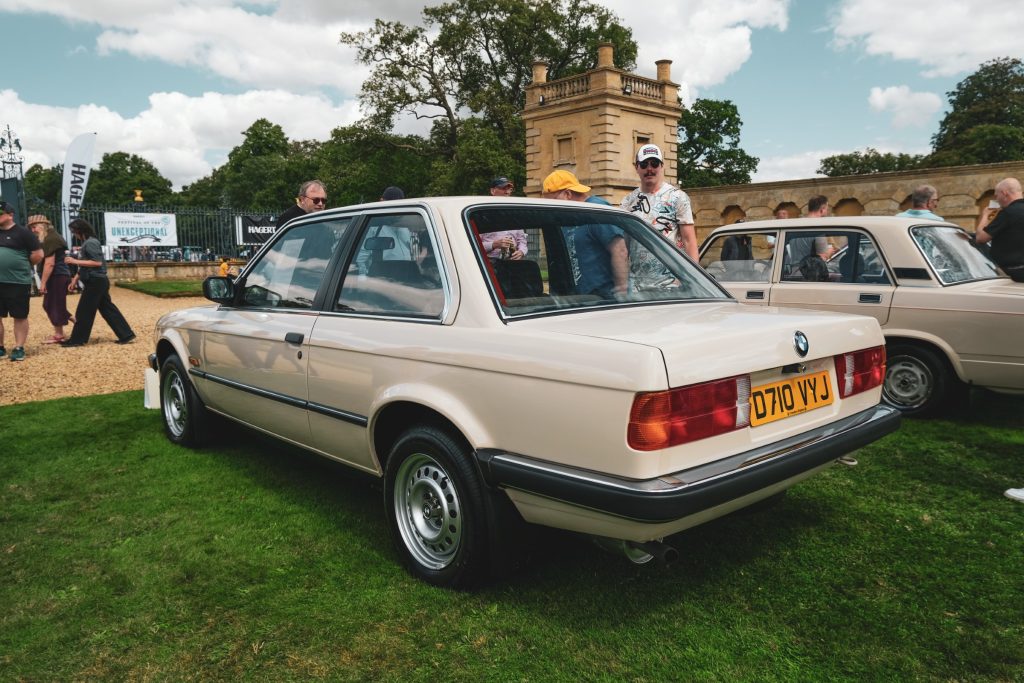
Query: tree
{"type": "Point", "coordinates": [476, 56]}
{"type": "Point", "coordinates": [991, 96]}
{"type": "Point", "coordinates": [869, 161]}
{"type": "Point", "coordinates": [984, 144]}
{"type": "Point", "coordinates": [357, 163]}
{"type": "Point", "coordinates": [709, 151]}
{"type": "Point", "coordinates": [43, 185]}
{"type": "Point", "coordinates": [256, 172]}
{"type": "Point", "coordinates": [119, 174]}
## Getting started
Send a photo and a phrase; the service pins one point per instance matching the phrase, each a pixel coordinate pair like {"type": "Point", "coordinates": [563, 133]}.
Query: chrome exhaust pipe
{"type": "Point", "coordinates": [638, 553]}
{"type": "Point", "coordinates": [659, 550]}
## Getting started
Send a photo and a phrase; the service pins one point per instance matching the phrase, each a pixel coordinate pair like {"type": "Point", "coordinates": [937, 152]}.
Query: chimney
{"type": "Point", "coordinates": [664, 69]}
{"type": "Point", "coordinates": [605, 55]}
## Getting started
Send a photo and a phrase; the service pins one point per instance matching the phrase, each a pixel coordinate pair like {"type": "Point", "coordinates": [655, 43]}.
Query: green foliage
{"type": "Point", "coordinates": [165, 288]}
{"type": "Point", "coordinates": [991, 96]}
{"type": "Point", "coordinates": [709, 151]}
{"type": "Point", "coordinates": [357, 163]}
{"type": "Point", "coordinates": [477, 55]}
{"type": "Point", "coordinates": [257, 171]}
{"type": "Point", "coordinates": [124, 557]}
{"type": "Point", "coordinates": [479, 156]}
{"type": "Point", "coordinates": [983, 144]}
{"type": "Point", "coordinates": [869, 161]}
{"type": "Point", "coordinates": [43, 185]}
{"type": "Point", "coordinates": [119, 174]}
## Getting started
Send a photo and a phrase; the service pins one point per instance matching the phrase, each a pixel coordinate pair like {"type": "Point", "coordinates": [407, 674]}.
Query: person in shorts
{"type": "Point", "coordinates": [20, 251]}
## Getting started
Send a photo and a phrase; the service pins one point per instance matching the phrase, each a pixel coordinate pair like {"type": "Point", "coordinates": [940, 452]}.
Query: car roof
{"type": "Point", "coordinates": [868, 222]}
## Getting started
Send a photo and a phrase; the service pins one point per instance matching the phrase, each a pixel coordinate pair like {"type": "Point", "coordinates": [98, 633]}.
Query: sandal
{"type": "Point", "coordinates": [54, 339]}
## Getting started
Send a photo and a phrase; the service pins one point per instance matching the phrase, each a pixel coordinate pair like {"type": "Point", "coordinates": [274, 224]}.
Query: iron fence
{"type": "Point", "coordinates": [202, 234]}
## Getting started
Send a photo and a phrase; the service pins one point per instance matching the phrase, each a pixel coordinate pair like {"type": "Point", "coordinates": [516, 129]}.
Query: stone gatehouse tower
{"type": "Point", "coordinates": [593, 123]}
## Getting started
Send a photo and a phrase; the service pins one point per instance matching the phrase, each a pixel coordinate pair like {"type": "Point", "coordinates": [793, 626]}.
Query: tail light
{"type": "Point", "coordinates": [661, 419]}
{"type": "Point", "coordinates": [860, 370]}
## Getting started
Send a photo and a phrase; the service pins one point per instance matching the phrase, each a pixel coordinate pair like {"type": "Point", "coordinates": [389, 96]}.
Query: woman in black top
{"type": "Point", "coordinates": [92, 272]}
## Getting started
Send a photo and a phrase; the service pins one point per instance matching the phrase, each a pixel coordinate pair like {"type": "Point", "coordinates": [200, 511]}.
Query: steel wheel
{"type": "Point", "coordinates": [917, 380]}
{"type": "Point", "coordinates": [428, 511]}
{"type": "Point", "coordinates": [174, 401]}
{"type": "Point", "coordinates": [439, 512]}
{"type": "Point", "coordinates": [185, 416]}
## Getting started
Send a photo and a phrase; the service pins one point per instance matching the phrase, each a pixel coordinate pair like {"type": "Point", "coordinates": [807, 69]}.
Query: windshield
{"type": "Point", "coordinates": [540, 259]}
{"type": "Point", "coordinates": [951, 254]}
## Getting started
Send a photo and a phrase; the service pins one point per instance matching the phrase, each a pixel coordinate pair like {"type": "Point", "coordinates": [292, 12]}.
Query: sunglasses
{"type": "Point", "coordinates": [649, 163]}
{"type": "Point", "coordinates": [317, 200]}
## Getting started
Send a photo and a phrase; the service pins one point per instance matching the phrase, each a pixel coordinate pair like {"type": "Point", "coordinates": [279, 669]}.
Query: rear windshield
{"type": "Point", "coordinates": [951, 254]}
{"type": "Point", "coordinates": [540, 259]}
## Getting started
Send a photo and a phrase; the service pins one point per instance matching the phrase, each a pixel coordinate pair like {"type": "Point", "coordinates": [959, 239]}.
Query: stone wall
{"type": "Point", "coordinates": [120, 271]}
{"type": "Point", "coordinates": [963, 192]}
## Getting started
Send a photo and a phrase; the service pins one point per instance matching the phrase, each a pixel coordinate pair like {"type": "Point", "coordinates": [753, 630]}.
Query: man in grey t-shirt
{"type": "Point", "coordinates": [19, 252]}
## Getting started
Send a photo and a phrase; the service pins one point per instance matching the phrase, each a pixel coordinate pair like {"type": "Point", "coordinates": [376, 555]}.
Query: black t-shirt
{"type": "Point", "coordinates": [288, 214]}
{"type": "Point", "coordinates": [17, 243]}
{"type": "Point", "coordinates": [1007, 231]}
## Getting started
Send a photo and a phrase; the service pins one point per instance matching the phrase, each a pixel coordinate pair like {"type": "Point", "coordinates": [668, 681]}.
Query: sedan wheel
{"type": "Point", "coordinates": [183, 411]}
{"type": "Point", "coordinates": [437, 508]}
{"type": "Point", "coordinates": [916, 380]}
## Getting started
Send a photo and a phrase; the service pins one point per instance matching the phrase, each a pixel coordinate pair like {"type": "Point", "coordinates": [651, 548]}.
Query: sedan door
{"type": "Point", "coordinates": [837, 270]}
{"type": "Point", "coordinates": [255, 354]}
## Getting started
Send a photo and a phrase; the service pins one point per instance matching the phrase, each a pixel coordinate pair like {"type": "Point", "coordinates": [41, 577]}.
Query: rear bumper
{"type": "Point", "coordinates": [691, 491]}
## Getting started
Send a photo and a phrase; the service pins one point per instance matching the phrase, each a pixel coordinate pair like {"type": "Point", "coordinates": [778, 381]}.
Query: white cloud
{"type": "Point", "coordinates": [707, 40]}
{"type": "Point", "coordinates": [907, 108]}
{"type": "Point", "coordinates": [175, 132]}
{"type": "Point", "coordinates": [792, 166]}
{"type": "Point", "coordinates": [946, 38]}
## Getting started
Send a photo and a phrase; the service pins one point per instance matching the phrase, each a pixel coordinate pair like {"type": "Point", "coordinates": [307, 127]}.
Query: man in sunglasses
{"type": "Point", "coordinates": [664, 207]}
{"type": "Point", "coordinates": [312, 197]}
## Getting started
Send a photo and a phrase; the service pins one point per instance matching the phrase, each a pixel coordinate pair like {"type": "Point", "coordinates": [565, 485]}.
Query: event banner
{"type": "Point", "coordinates": [141, 229]}
{"type": "Point", "coordinates": [76, 177]}
{"type": "Point", "coordinates": [254, 230]}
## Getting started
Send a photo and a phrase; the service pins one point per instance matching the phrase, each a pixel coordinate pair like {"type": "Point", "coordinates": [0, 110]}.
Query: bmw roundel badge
{"type": "Point", "coordinates": [801, 344]}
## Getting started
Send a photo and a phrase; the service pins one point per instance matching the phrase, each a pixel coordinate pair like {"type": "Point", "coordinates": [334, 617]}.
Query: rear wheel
{"type": "Point", "coordinates": [917, 380]}
{"type": "Point", "coordinates": [437, 508]}
{"type": "Point", "coordinates": [183, 411]}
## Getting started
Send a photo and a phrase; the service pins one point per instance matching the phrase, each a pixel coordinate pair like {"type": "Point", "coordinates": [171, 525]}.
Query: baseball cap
{"type": "Point", "coordinates": [649, 152]}
{"type": "Point", "coordinates": [500, 181]}
{"type": "Point", "coordinates": [563, 180]}
{"type": "Point", "coordinates": [6, 208]}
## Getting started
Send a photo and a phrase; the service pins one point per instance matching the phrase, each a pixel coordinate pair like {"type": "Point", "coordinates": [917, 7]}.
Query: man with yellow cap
{"type": "Point", "coordinates": [597, 253]}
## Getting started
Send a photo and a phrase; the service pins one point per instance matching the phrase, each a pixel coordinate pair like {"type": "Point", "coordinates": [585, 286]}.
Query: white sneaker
{"type": "Point", "coordinates": [1015, 494]}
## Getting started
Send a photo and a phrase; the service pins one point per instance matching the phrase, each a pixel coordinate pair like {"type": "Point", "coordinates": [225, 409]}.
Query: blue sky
{"type": "Point", "coordinates": [177, 81]}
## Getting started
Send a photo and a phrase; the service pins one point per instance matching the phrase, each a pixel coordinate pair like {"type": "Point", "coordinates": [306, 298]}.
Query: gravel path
{"type": "Point", "coordinates": [99, 367]}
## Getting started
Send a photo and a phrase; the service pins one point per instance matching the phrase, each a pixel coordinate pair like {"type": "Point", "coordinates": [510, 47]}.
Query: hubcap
{"type": "Point", "coordinates": [428, 511]}
{"type": "Point", "coordinates": [175, 407]}
{"type": "Point", "coordinates": [908, 382]}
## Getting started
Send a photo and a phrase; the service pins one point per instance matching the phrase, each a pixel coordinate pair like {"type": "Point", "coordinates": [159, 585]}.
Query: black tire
{"type": "Point", "coordinates": [918, 381]}
{"type": "Point", "coordinates": [185, 416]}
{"type": "Point", "coordinates": [437, 509]}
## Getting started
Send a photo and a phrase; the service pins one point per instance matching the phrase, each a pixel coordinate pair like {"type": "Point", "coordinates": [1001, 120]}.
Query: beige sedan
{"type": "Point", "coordinates": [950, 317]}
{"type": "Point", "coordinates": [603, 384]}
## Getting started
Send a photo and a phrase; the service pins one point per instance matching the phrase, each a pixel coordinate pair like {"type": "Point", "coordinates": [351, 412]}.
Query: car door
{"type": "Point", "coordinates": [743, 263]}
{"type": "Point", "coordinates": [385, 315]}
{"type": "Point", "coordinates": [255, 353]}
{"type": "Point", "coordinates": [832, 269]}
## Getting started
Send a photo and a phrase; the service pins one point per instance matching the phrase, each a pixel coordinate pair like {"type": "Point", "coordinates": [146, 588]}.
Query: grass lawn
{"type": "Point", "coordinates": [166, 288]}
{"type": "Point", "coordinates": [123, 557]}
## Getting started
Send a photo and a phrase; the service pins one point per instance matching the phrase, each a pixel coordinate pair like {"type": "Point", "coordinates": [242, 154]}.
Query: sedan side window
{"type": "Point", "coordinates": [395, 270]}
{"type": "Point", "coordinates": [289, 274]}
{"type": "Point", "coordinates": [740, 258]}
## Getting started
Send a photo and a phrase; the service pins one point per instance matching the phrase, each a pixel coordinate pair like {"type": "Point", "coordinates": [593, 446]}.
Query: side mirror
{"type": "Point", "coordinates": [219, 289]}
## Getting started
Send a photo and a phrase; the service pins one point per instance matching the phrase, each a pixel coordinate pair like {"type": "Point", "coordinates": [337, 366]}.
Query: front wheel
{"type": "Point", "coordinates": [183, 411]}
{"type": "Point", "coordinates": [437, 508]}
{"type": "Point", "coordinates": [917, 380]}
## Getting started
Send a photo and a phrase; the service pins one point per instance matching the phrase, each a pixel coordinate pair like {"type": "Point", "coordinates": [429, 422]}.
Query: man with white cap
{"type": "Point", "coordinates": [665, 207]}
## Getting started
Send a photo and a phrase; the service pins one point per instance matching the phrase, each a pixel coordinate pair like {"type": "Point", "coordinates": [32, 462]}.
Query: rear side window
{"type": "Point", "coordinates": [834, 256]}
{"type": "Point", "coordinates": [395, 270]}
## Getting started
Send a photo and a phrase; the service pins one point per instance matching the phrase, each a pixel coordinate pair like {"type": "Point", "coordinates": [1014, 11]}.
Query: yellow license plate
{"type": "Point", "coordinates": [770, 402]}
